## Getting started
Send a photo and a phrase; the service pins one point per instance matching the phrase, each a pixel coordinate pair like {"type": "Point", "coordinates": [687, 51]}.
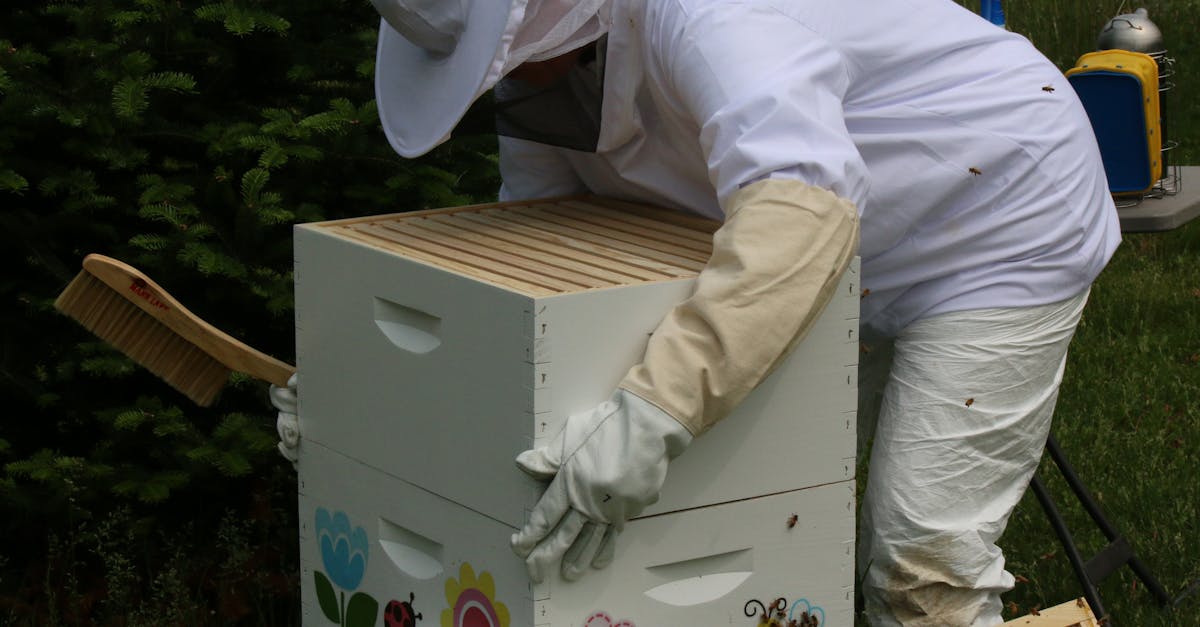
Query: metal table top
{"type": "Point", "coordinates": [1168, 212]}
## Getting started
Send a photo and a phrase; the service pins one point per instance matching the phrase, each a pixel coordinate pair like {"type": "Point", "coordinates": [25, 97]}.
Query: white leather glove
{"type": "Point", "coordinates": [607, 465]}
{"type": "Point", "coordinates": [286, 423]}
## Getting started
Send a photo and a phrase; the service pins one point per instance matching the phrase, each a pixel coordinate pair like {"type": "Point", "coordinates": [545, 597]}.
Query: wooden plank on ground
{"type": "Point", "coordinates": [1070, 614]}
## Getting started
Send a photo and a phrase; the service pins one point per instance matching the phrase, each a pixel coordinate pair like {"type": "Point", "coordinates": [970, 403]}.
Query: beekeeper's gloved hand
{"type": "Point", "coordinates": [607, 465]}
{"type": "Point", "coordinates": [286, 423]}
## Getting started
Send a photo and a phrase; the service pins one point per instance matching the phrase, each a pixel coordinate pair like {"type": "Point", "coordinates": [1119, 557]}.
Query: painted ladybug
{"type": "Point", "coordinates": [400, 613]}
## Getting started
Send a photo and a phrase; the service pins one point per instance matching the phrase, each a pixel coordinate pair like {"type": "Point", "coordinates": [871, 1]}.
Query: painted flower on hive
{"type": "Point", "coordinates": [802, 614]}
{"type": "Point", "coordinates": [473, 601]}
{"type": "Point", "coordinates": [807, 616]}
{"type": "Point", "coordinates": [344, 555]}
{"type": "Point", "coordinates": [343, 549]}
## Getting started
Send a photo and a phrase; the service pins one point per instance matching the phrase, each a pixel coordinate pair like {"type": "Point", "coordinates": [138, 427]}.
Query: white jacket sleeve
{"type": "Point", "coordinates": [533, 170]}
{"type": "Point", "coordinates": [766, 96]}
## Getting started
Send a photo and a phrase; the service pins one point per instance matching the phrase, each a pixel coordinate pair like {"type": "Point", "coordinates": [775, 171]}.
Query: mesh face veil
{"type": "Point", "coordinates": [566, 113]}
{"type": "Point", "coordinates": [549, 28]}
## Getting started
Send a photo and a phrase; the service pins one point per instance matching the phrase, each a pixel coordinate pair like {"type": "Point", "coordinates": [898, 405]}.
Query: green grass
{"type": "Point", "coordinates": [1129, 413]}
{"type": "Point", "coordinates": [1128, 416]}
{"type": "Point", "coordinates": [1129, 420]}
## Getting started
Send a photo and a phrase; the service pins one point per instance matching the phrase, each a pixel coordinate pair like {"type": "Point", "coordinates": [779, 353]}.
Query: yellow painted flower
{"type": "Point", "coordinates": [473, 601]}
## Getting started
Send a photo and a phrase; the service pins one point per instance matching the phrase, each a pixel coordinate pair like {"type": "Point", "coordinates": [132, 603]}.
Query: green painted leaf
{"type": "Point", "coordinates": [326, 598]}
{"type": "Point", "coordinates": [361, 610]}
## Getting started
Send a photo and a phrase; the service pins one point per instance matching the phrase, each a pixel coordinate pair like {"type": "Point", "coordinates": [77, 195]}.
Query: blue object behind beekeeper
{"type": "Point", "coordinates": [992, 11]}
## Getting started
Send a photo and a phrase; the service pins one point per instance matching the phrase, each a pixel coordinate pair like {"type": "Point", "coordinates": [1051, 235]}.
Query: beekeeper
{"type": "Point", "coordinates": [961, 153]}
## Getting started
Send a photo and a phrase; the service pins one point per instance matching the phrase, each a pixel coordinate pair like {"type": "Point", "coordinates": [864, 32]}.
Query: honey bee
{"type": "Point", "coordinates": [1048, 88]}
{"type": "Point", "coordinates": [792, 520]}
{"type": "Point", "coordinates": [970, 401]}
{"type": "Point", "coordinates": [975, 171]}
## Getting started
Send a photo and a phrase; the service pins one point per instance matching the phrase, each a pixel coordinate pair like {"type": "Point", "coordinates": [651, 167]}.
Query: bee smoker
{"type": "Point", "coordinates": [1136, 33]}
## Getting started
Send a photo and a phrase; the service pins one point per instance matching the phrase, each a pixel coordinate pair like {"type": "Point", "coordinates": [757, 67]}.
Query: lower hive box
{"type": "Point", "coordinates": [375, 548]}
{"type": "Point", "coordinates": [433, 347]}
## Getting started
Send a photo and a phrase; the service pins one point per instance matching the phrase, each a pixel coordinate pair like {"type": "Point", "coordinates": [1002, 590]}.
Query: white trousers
{"type": "Point", "coordinates": [959, 406]}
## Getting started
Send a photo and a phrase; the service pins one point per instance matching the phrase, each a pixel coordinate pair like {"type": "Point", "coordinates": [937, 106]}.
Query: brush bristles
{"type": "Point", "coordinates": [114, 319]}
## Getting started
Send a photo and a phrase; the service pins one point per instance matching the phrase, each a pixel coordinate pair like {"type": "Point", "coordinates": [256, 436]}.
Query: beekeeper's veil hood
{"type": "Point", "coordinates": [435, 57]}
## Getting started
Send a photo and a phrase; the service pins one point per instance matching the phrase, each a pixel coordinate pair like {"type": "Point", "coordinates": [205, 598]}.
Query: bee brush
{"type": "Point", "coordinates": [123, 307]}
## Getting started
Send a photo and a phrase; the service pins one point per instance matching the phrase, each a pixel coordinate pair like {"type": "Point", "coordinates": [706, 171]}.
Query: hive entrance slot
{"type": "Point", "coordinates": [409, 329]}
{"type": "Point", "coordinates": [703, 579]}
{"type": "Point", "coordinates": [414, 554]}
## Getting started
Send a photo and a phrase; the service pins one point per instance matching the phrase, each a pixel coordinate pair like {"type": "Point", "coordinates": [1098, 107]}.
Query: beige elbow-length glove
{"type": "Point", "coordinates": [775, 264]}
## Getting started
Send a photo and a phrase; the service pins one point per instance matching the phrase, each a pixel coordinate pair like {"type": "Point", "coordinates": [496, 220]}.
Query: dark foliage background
{"type": "Point", "coordinates": [184, 137]}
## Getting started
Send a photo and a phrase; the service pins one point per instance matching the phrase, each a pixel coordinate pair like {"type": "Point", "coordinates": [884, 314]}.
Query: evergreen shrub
{"type": "Point", "coordinates": [184, 137]}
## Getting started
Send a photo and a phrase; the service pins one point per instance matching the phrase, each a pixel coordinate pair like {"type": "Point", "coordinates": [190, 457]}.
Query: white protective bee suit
{"type": "Point", "coordinates": [961, 152]}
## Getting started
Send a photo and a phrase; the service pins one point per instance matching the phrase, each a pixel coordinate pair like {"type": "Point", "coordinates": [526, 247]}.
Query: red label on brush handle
{"type": "Point", "coordinates": [140, 288]}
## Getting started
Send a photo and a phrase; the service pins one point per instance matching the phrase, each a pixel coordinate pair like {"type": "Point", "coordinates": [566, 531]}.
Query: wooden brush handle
{"type": "Point", "coordinates": [154, 300]}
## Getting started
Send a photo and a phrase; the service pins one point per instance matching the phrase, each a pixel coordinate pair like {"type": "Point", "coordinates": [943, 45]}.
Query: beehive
{"type": "Point", "coordinates": [435, 346]}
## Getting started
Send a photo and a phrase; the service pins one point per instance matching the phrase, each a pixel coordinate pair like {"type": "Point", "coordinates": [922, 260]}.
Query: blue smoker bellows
{"type": "Point", "coordinates": [1119, 90]}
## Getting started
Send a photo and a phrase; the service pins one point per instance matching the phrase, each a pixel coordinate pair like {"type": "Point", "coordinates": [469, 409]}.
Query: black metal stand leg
{"type": "Point", "coordinates": [1064, 536]}
{"type": "Point", "coordinates": [1116, 554]}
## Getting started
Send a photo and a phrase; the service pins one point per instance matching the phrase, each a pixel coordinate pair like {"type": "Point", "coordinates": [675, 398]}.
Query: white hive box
{"type": "Point", "coordinates": [433, 347]}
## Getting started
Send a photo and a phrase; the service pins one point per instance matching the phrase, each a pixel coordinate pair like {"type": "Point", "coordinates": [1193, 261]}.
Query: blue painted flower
{"type": "Point", "coordinates": [343, 549]}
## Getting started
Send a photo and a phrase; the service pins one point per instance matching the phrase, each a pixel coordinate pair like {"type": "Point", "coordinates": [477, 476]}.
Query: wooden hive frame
{"type": "Point", "coordinates": [545, 247]}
